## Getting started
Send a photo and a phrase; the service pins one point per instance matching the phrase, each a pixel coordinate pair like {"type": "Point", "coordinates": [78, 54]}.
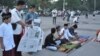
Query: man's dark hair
{"type": "Point", "coordinates": [20, 3]}
{"type": "Point", "coordinates": [66, 24]}
{"type": "Point", "coordinates": [53, 30]}
{"type": "Point", "coordinates": [32, 6]}
{"type": "Point", "coordinates": [6, 16]}
{"type": "Point", "coordinates": [75, 26]}
{"type": "Point", "coordinates": [57, 27]}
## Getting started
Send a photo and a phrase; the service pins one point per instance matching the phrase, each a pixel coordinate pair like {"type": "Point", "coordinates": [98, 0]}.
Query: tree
{"type": "Point", "coordinates": [8, 3]}
{"type": "Point", "coordinates": [74, 4]}
{"type": "Point", "coordinates": [91, 5]}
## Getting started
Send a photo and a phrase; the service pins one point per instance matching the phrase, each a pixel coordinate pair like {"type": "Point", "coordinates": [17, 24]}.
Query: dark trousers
{"type": "Point", "coordinates": [9, 53]}
{"type": "Point", "coordinates": [54, 20]}
{"type": "Point", "coordinates": [64, 41]}
{"type": "Point", "coordinates": [17, 39]}
{"type": "Point", "coordinates": [68, 18]}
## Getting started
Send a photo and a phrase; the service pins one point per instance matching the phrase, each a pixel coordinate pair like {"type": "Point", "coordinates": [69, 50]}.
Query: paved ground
{"type": "Point", "coordinates": [89, 49]}
{"type": "Point", "coordinates": [86, 27]}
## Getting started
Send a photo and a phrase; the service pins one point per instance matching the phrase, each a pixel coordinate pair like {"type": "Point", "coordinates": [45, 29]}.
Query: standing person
{"type": "Point", "coordinates": [54, 15]}
{"type": "Point", "coordinates": [71, 16]}
{"type": "Point", "coordinates": [68, 16]}
{"type": "Point", "coordinates": [18, 24]}
{"type": "Point", "coordinates": [32, 16]}
{"type": "Point", "coordinates": [64, 15]}
{"type": "Point", "coordinates": [6, 39]}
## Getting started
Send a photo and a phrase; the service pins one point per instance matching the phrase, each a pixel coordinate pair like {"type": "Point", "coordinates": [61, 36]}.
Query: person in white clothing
{"type": "Point", "coordinates": [61, 35]}
{"type": "Point", "coordinates": [18, 24]}
{"type": "Point", "coordinates": [6, 39]}
{"type": "Point", "coordinates": [65, 34]}
{"type": "Point", "coordinates": [76, 19]}
{"type": "Point", "coordinates": [54, 15]}
{"type": "Point", "coordinates": [72, 13]}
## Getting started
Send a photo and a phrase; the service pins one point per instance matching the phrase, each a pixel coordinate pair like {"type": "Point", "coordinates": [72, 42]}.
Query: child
{"type": "Point", "coordinates": [32, 17]}
{"type": "Point", "coordinates": [6, 35]}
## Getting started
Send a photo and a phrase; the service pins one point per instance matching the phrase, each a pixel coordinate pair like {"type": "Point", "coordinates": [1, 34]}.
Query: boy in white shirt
{"type": "Point", "coordinates": [6, 35]}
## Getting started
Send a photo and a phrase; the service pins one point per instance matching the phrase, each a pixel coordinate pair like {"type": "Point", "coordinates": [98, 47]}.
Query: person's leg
{"type": "Point", "coordinates": [6, 53]}
{"type": "Point", "coordinates": [64, 41]}
{"type": "Point", "coordinates": [9, 53]}
{"type": "Point", "coordinates": [58, 42]}
{"type": "Point", "coordinates": [63, 17]}
{"type": "Point", "coordinates": [54, 48]}
{"type": "Point", "coordinates": [13, 52]}
{"type": "Point", "coordinates": [55, 20]}
{"type": "Point", "coordinates": [17, 40]}
{"type": "Point", "coordinates": [68, 19]}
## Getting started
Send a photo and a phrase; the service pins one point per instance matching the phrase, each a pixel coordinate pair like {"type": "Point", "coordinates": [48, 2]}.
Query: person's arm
{"type": "Point", "coordinates": [69, 34]}
{"type": "Point", "coordinates": [1, 43]}
{"type": "Point", "coordinates": [1, 37]}
{"type": "Point", "coordinates": [60, 35]}
{"type": "Point", "coordinates": [17, 19]}
{"type": "Point", "coordinates": [22, 23]}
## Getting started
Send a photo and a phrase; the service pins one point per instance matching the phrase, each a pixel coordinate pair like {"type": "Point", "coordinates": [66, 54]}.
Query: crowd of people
{"type": "Point", "coordinates": [64, 35]}
{"type": "Point", "coordinates": [68, 16]}
{"type": "Point", "coordinates": [11, 29]}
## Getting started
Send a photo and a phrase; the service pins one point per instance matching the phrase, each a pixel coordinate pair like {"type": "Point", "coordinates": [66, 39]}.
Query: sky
{"type": "Point", "coordinates": [53, 1]}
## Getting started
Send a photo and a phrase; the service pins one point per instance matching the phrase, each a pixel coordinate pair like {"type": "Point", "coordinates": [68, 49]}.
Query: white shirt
{"type": "Point", "coordinates": [66, 33]}
{"type": "Point", "coordinates": [16, 16]}
{"type": "Point", "coordinates": [72, 13]}
{"type": "Point", "coordinates": [54, 13]}
{"type": "Point", "coordinates": [98, 37]}
{"type": "Point", "coordinates": [6, 32]}
{"type": "Point", "coordinates": [61, 32]}
{"type": "Point", "coordinates": [75, 19]}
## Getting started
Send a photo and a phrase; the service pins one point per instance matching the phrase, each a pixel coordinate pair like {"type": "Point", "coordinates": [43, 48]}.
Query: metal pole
{"type": "Point", "coordinates": [94, 5]}
{"type": "Point", "coordinates": [63, 5]}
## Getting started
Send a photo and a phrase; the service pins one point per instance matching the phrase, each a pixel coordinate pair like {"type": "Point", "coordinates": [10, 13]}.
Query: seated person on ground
{"type": "Point", "coordinates": [49, 41]}
{"type": "Point", "coordinates": [67, 34]}
{"type": "Point", "coordinates": [63, 34]}
{"type": "Point", "coordinates": [58, 29]}
{"type": "Point", "coordinates": [72, 31]}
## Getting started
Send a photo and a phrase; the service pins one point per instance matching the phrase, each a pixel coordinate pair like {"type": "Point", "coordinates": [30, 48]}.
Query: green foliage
{"type": "Point", "coordinates": [45, 4]}
{"type": "Point", "coordinates": [8, 3]}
